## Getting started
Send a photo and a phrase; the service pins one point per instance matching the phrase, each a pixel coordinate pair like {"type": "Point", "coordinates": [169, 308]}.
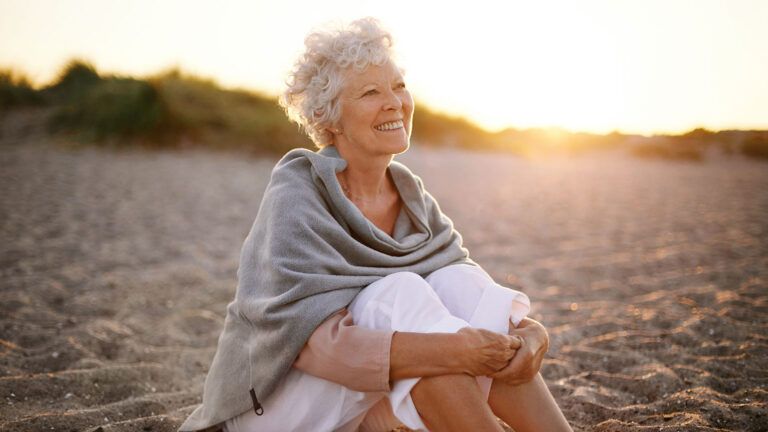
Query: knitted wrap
{"type": "Point", "coordinates": [309, 253]}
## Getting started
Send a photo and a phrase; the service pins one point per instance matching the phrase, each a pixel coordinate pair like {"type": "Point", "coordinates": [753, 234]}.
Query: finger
{"type": "Point", "coordinates": [498, 363]}
{"type": "Point", "coordinates": [517, 365]}
{"type": "Point", "coordinates": [504, 357]}
{"type": "Point", "coordinates": [497, 367]}
{"type": "Point", "coordinates": [520, 377]}
{"type": "Point", "coordinates": [515, 342]}
{"type": "Point", "coordinates": [508, 372]}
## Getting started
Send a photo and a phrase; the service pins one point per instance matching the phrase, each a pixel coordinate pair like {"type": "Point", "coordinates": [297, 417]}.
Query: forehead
{"type": "Point", "coordinates": [387, 72]}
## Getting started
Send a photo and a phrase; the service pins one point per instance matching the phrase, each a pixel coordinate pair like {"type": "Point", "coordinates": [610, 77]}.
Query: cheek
{"type": "Point", "coordinates": [408, 104]}
{"type": "Point", "coordinates": [363, 115]}
{"type": "Point", "coordinates": [351, 119]}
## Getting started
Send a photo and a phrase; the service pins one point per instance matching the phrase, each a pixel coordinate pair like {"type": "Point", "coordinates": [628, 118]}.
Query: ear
{"type": "Point", "coordinates": [335, 130]}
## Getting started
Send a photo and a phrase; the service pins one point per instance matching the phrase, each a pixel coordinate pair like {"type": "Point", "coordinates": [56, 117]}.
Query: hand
{"type": "Point", "coordinates": [483, 352]}
{"type": "Point", "coordinates": [527, 361]}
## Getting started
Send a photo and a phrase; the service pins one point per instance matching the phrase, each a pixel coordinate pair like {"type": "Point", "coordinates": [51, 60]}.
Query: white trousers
{"type": "Point", "coordinates": [447, 300]}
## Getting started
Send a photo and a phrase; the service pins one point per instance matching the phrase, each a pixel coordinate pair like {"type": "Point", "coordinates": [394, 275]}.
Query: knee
{"type": "Point", "coordinates": [409, 285]}
{"type": "Point", "coordinates": [410, 294]}
{"type": "Point", "coordinates": [405, 278]}
{"type": "Point", "coordinates": [459, 279]}
{"type": "Point", "coordinates": [403, 301]}
{"type": "Point", "coordinates": [400, 289]}
{"type": "Point", "coordinates": [448, 275]}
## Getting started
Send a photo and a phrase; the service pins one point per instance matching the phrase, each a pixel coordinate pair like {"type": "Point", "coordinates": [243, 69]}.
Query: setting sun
{"type": "Point", "coordinates": [597, 66]}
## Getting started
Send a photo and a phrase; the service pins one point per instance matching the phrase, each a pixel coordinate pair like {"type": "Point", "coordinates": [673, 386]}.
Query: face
{"type": "Point", "coordinates": [376, 112]}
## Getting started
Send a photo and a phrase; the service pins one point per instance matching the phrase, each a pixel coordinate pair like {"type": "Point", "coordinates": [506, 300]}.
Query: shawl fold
{"type": "Point", "coordinates": [308, 254]}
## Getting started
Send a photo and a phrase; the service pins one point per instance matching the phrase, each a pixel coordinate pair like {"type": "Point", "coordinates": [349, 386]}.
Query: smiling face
{"type": "Point", "coordinates": [376, 112]}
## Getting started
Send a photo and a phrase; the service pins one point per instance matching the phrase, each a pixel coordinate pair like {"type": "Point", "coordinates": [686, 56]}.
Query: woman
{"type": "Point", "coordinates": [357, 307]}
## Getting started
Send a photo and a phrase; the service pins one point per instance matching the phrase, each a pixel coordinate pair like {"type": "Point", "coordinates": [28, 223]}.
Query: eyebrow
{"type": "Point", "coordinates": [397, 81]}
{"type": "Point", "coordinates": [366, 84]}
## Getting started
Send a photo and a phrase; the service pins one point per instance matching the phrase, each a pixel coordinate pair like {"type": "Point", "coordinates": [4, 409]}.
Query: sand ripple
{"type": "Point", "coordinates": [651, 277]}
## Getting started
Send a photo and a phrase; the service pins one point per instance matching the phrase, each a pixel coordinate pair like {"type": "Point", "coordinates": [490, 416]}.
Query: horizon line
{"type": "Point", "coordinates": [38, 84]}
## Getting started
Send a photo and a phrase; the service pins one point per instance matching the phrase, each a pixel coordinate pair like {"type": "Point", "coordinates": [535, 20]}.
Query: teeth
{"type": "Point", "coordinates": [390, 125]}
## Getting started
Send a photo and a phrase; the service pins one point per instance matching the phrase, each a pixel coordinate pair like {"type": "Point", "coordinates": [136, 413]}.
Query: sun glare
{"type": "Point", "coordinates": [598, 66]}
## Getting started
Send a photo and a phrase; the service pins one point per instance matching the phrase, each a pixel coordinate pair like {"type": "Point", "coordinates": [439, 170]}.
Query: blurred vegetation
{"type": "Point", "coordinates": [756, 145]}
{"type": "Point", "coordinates": [669, 149]}
{"type": "Point", "coordinates": [701, 143]}
{"type": "Point", "coordinates": [170, 109]}
{"type": "Point", "coordinates": [74, 80]}
{"type": "Point", "coordinates": [435, 129]}
{"type": "Point", "coordinates": [16, 91]}
{"type": "Point", "coordinates": [175, 109]}
{"type": "Point", "coordinates": [103, 108]}
{"type": "Point", "coordinates": [199, 111]}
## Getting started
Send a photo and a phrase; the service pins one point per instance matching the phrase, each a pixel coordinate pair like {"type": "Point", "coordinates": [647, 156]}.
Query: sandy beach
{"type": "Point", "coordinates": [651, 277]}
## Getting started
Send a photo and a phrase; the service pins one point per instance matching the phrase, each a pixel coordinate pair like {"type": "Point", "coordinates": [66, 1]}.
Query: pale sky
{"type": "Point", "coordinates": [639, 66]}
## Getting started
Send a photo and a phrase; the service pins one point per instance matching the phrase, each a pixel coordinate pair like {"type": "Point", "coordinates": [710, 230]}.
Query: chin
{"type": "Point", "coordinates": [392, 146]}
{"type": "Point", "coordinates": [401, 148]}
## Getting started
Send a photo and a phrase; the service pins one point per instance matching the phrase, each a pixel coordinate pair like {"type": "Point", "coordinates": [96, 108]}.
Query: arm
{"type": "Point", "coordinates": [341, 352]}
{"type": "Point", "coordinates": [470, 351]}
{"type": "Point", "coordinates": [527, 362]}
{"type": "Point", "coordinates": [364, 359]}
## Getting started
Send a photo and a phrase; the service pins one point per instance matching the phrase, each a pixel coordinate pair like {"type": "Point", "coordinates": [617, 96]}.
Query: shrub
{"type": "Point", "coordinates": [111, 107]}
{"type": "Point", "coordinates": [756, 146]}
{"type": "Point", "coordinates": [669, 150]}
{"type": "Point", "coordinates": [15, 90]}
{"type": "Point", "coordinates": [432, 128]}
{"type": "Point", "coordinates": [199, 109]}
{"type": "Point", "coordinates": [73, 82]}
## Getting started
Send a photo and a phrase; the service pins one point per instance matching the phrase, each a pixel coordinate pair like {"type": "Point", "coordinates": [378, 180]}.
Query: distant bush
{"type": "Point", "coordinates": [74, 80]}
{"type": "Point", "coordinates": [756, 146]}
{"type": "Point", "coordinates": [554, 141]}
{"type": "Point", "coordinates": [437, 129]}
{"type": "Point", "coordinates": [167, 110]}
{"type": "Point", "coordinates": [15, 90]}
{"type": "Point", "coordinates": [201, 111]}
{"type": "Point", "coordinates": [173, 108]}
{"type": "Point", "coordinates": [700, 135]}
{"type": "Point", "coordinates": [663, 149]}
{"type": "Point", "coordinates": [119, 107]}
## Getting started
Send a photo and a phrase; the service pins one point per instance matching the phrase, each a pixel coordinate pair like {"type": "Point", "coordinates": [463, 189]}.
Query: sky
{"type": "Point", "coordinates": [643, 66]}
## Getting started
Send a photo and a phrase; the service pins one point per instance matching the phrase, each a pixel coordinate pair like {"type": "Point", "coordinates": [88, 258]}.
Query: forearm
{"type": "Point", "coordinates": [523, 323]}
{"type": "Point", "coordinates": [423, 354]}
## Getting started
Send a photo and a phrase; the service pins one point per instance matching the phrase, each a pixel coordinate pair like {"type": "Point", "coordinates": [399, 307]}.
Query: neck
{"type": "Point", "coordinates": [365, 178]}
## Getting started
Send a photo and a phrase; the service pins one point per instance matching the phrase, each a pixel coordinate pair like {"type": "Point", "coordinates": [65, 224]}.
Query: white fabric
{"type": "Point", "coordinates": [450, 298]}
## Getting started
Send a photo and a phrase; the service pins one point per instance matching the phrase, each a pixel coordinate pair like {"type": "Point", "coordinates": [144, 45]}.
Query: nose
{"type": "Point", "coordinates": [393, 101]}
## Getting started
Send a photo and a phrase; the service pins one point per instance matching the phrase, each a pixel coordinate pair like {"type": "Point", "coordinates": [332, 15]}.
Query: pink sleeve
{"type": "Point", "coordinates": [353, 356]}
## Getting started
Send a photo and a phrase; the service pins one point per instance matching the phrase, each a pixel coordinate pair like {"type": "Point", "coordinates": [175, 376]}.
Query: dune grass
{"type": "Point", "coordinates": [170, 109]}
{"type": "Point", "coordinates": [756, 145]}
{"type": "Point", "coordinates": [198, 110]}
{"type": "Point", "coordinates": [175, 109]}
{"type": "Point", "coordinates": [16, 91]}
{"type": "Point", "coordinates": [108, 107]}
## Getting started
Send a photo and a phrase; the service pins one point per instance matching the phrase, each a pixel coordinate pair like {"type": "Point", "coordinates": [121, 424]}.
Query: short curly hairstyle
{"type": "Point", "coordinates": [314, 83]}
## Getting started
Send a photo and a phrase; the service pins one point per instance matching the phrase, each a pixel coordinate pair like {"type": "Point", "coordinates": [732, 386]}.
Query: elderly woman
{"type": "Point", "coordinates": [357, 307]}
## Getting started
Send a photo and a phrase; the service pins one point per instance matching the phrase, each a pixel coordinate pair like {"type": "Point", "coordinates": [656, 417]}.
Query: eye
{"type": "Point", "coordinates": [400, 85]}
{"type": "Point", "coordinates": [370, 92]}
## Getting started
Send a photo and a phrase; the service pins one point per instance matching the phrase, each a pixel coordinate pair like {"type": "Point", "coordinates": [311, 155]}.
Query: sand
{"type": "Point", "coordinates": [651, 277]}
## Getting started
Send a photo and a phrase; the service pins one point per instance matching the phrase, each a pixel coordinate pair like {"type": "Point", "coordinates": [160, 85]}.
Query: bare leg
{"type": "Point", "coordinates": [527, 407]}
{"type": "Point", "coordinates": [453, 403]}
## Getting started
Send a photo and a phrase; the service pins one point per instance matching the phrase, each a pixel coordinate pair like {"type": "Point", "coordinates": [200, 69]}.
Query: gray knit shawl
{"type": "Point", "coordinates": [309, 253]}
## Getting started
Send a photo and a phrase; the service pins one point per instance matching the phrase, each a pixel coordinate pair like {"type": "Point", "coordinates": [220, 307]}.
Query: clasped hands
{"type": "Point", "coordinates": [514, 358]}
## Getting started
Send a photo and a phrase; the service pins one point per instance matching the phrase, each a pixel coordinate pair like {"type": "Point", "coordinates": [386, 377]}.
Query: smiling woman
{"type": "Point", "coordinates": [357, 307]}
{"type": "Point", "coordinates": [377, 111]}
{"type": "Point", "coordinates": [376, 122]}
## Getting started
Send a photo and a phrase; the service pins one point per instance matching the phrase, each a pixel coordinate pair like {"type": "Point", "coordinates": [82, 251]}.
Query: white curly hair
{"type": "Point", "coordinates": [314, 83]}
